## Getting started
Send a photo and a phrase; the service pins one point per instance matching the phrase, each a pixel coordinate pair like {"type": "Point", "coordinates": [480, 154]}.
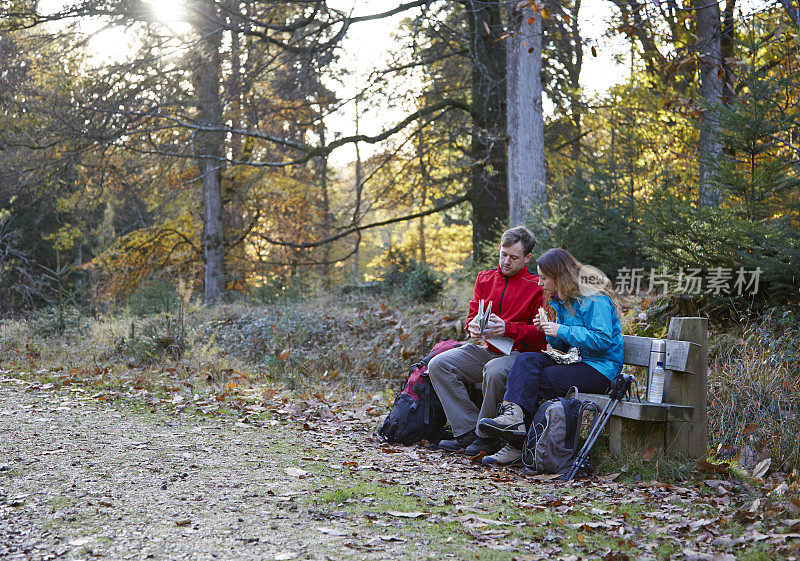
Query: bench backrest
{"type": "Point", "coordinates": [687, 368]}
{"type": "Point", "coordinates": [682, 356]}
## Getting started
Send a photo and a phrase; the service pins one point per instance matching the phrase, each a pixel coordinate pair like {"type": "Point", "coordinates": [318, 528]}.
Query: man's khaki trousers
{"type": "Point", "coordinates": [452, 370]}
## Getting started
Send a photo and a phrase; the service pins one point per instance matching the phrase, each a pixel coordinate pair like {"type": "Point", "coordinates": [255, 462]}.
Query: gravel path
{"type": "Point", "coordinates": [81, 479]}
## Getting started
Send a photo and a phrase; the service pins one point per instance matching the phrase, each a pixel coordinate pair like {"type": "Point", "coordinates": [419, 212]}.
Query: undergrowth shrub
{"type": "Point", "coordinates": [278, 290]}
{"type": "Point", "coordinates": [342, 343]}
{"type": "Point", "coordinates": [306, 341]}
{"type": "Point", "coordinates": [157, 294]}
{"type": "Point", "coordinates": [412, 280]}
{"type": "Point", "coordinates": [152, 338]}
{"type": "Point", "coordinates": [54, 320]}
{"type": "Point", "coordinates": [164, 334]}
{"type": "Point", "coordinates": [754, 408]}
{"type": "Point", "coordinates": [15, 335]}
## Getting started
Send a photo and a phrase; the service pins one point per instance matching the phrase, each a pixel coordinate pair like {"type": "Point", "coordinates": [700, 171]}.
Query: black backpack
{"type": "Point", "coordinates": [417, 413]}
{"type": "Point", "coordinates": [552, 441]}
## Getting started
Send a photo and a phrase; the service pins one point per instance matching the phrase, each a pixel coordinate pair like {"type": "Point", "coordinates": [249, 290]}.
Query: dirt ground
{"type": "Point", "coordinates": [81, 478]}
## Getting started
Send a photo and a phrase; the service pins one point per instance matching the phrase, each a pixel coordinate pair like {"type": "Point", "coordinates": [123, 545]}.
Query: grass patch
{"type": "Point", "coordinates": [61, 502]}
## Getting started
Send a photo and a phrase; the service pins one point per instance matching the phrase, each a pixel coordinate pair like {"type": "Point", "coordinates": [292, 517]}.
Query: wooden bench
{"type": "Point", "coordinates": [678, 426]}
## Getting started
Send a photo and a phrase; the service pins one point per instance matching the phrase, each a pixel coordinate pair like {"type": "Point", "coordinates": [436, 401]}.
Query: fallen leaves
{"type": "Point", "coordinates": [544, 477]}
{"type": "Point", "coordinates": [700, 518]}
{"type": "Point", "coordinates": [586, 526]}
{"type": "Point", "coordinates": [473, 521]}
{"type": "Point", "coordinates": [413, 514]}
{"type": "Point", "coordinates": [694, 555]}
{"type": "Point", "coordinates": [761, 468]}
{"type": "Point", "coordinates": [723, 468]}
{"type": "Point", "coordinates": [332, 531]}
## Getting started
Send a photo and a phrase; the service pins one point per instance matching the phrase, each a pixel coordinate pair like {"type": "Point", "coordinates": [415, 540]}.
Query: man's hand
{"type": "Point", "coordinates": [495, 328]}
{"type": "Point", "coordinates": [473, 328]}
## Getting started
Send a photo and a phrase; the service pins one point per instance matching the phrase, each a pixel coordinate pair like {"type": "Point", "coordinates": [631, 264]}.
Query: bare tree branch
{"type": "Point", "coordinates": [356, 229]}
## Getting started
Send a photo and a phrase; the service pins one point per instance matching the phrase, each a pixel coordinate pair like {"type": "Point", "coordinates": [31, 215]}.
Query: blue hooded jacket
{"type": "Point", "coordinates": [594, 328]}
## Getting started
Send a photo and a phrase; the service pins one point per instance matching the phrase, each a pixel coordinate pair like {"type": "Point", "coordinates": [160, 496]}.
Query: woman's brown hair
{"type": "Point", "coordinates": [566, 271]}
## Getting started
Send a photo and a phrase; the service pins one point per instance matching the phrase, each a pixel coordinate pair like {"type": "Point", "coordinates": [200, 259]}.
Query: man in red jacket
{"type": "Point", "coordinates": [516, 296]}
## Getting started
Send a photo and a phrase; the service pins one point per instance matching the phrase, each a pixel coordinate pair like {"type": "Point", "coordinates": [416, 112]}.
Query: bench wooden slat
{"type": "Point", "coordinates": [644, 410]}
{"type": "Point", "coordinates": [637, 350]}
{"type": "Point", "coordinates": [682, 356]}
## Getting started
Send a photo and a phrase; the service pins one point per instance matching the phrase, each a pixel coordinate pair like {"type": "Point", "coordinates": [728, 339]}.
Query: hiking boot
{"type": "Point", "coordinates": [505, 457]}
{"type": "Point", "coordinates": [485, 445]}
{"type": "Point", "coordinates": [510, 422]}
{"type": "Point", "coordinates": [459, 443]}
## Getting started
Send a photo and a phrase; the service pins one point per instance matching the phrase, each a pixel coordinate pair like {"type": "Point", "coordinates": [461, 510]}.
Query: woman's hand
{"type": "Point", "coordinates": [547, 327]}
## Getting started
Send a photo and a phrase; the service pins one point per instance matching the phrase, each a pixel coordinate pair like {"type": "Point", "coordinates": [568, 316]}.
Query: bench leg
{"type": "Point", "coordinates": [615, 436]}
{"type": "Point", "coordinates": [684, 438]}
{"type": "Point", "coordinates": [634, 437]}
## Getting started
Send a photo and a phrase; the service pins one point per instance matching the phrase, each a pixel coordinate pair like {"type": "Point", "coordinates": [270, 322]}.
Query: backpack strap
{"type": "Point", "coordinates": [572, 419]}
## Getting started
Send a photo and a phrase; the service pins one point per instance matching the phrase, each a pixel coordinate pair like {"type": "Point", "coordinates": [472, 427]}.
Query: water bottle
{"type": "Point", "coordinates": [658, 352]}
{"type": "Point", "coordinates": [655, 389]}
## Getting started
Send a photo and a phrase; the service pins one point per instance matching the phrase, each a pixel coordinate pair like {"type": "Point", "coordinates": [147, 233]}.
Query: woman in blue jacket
{"type": "Point", "coordinates": [586, 318]}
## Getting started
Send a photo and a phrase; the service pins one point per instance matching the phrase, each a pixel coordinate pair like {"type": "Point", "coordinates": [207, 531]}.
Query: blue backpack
{"type": "Point", "coordinates": [552, 441]}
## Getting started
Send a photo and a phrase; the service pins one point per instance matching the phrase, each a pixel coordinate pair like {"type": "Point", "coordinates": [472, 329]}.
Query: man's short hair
{"type": "Point", "coordinates": [519, 234]}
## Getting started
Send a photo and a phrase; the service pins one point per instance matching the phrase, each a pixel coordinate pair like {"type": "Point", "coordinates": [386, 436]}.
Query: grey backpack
{"type": "Point", "coordinates": [552, 441]}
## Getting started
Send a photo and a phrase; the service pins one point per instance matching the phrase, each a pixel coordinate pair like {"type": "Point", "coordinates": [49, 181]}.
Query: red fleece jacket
{"type": "Point", "coordinates": [515, 299]}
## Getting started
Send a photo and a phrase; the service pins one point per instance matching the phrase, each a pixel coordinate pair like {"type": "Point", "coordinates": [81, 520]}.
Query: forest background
{"type": "Point", "coordinates": [159, 158]}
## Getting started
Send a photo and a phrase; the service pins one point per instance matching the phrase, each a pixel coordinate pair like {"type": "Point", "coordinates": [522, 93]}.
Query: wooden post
{"type": "Point", "coordinates": [690, 438]}
{"type": "Point", "coordinates": [628, 436]}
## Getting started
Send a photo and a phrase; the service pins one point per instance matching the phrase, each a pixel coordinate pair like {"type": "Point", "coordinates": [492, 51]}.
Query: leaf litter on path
{"type": "Point", "coordinates": [425, 484]}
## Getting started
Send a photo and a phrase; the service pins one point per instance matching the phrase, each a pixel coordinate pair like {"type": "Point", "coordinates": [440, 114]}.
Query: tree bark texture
{"type": "Point", "coordinates": [327, 218]}
{"type": "Point", "coordinates": [359, 187]}
{"type": "Point", "coordinates": [209, 146]}
{"type": "Point", "coordinates": [576, 102]}
{"type": "Point", "coordinates": [488, 173]}
{"type": "Point", "coordinates": [527, 178]}
{"type": "Point", "coordinates": [792, 10]}
{"type": "Point", "coordinates": [709, 53]}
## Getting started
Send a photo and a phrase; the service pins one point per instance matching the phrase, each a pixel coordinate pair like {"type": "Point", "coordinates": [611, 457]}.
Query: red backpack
{"type": "Point", "coordinates": [417, 413]}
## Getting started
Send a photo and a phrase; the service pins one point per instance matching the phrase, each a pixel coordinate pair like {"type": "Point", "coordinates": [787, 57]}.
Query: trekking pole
{"type": "Point", "coordinates": [584, 451]}
{"type": "Point", "coordinates": [619, 388]}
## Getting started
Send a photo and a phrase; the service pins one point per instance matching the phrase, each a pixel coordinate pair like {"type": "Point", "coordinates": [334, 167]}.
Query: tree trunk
{"type": "Point", "coordinates": [727, 50]}
{"type": "Point", "coordinates": [357, 210]}
{"type": "Point", "coordinates": [423, 258]}
{"type": "Point", "coordinates": [527, 180]}
{"type": "Point", "coordinates": [209, 146]}
{"type": "Point", "coordinates": [233, 189]}
{"type": "Point", "coordinates": [792, 10]}
{"type": "Point", "coordinates": [488, 173]}
{"type": "Point", "coordinates": [709, 147]}
{"type": "Point", "coordinates": [327, 220]}
{"type": "Point", "coordinates": [576, 101]}
{"type": "Point", "coordinates": [424, 181]}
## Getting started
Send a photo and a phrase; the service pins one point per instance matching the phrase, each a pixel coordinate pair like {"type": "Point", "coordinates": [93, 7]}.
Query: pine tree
{"type": "Point", "coordinates": [758, 176]}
